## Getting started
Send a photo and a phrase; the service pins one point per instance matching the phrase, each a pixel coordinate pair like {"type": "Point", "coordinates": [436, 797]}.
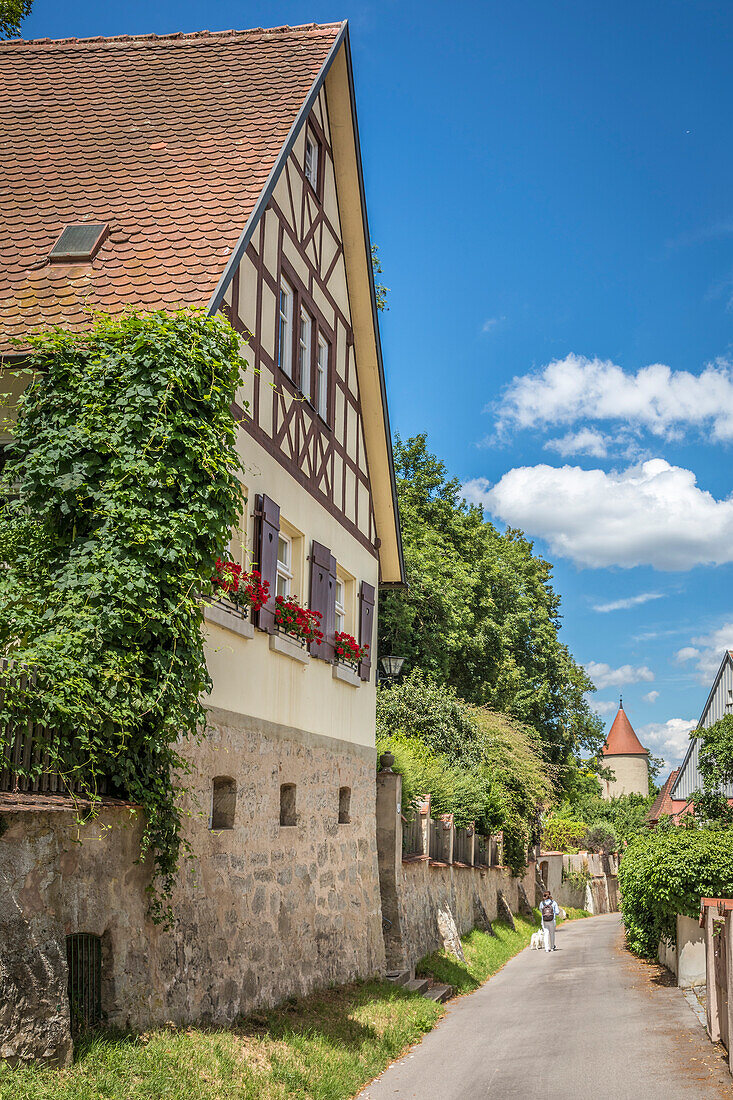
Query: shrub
{"type": "Point", "coordinates": [666, 872]}
{"type": "Point", "coordinates": [601, 837]}
{"type": "Point", "coordinates": [563, 834]}
{"type": "Point", "coordinates": [467, 793]}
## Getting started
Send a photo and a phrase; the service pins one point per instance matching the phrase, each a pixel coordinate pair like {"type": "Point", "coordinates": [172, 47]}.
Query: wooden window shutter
{"type": "Point", "coordinates": [366, 626]}
{"type": "Point", "coordinates": [267, 529]}
{"type": "Point", "coordinates": [323, 597]}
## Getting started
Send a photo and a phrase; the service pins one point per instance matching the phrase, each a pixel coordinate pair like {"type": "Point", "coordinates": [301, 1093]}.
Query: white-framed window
{"type": "Point", "coordinates": [311, 161]}
{"type": "Point", "coordinates": [284, 581]}
{"type": "Point", "coordinates": [340, 605]}
{"type": "Point", "coordinates": [285, 347]}
{"type": "Point", "coordinates": [322, 379]}
{"type": "Point", "coordinates": [304, 353]}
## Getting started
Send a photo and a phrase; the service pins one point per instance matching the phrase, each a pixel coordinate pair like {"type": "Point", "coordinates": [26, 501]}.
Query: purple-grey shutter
{"type": "Point", "coordinates": [323, 597]}
{"type": "Point", "coordinates": [366, 626]}
{"type": "Point", "coordinates": [267, 529]}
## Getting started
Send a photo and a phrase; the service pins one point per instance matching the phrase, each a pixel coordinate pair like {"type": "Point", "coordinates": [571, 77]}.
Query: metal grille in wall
{"type": "Point", "coordinates": [84, 958]}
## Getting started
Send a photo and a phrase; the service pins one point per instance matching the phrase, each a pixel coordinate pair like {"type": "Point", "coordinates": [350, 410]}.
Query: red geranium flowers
{"type": "Point", "coordinates": [246, 589]}
{"type": "Point", "coordinates": [299, 621]}
{"type": "Point", "coordinates": [348, 649]}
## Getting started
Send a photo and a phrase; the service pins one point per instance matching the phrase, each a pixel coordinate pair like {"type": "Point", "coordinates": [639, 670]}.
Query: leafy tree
{"type": "Point", "coordinates": [601, 837]}
{"type": "Point", "coordinates": [468, 793]}
{"type": "Point", "coordinates": [563, 834]}
{"type": "Point", "coordinates": [665, 871]}
{"type": "Point", "coordinates": [626, 812]}
{"type": "Point", "coordinates": [716, 769]}
{"type": "Point", "coordinates": [480, 614]}
{"type": "Point", "coordinates": [12, 14]}
{"type": "Point", "coordinates": [495, 753]}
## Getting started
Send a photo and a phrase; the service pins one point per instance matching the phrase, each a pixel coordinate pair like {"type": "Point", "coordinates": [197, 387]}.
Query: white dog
{"type": "Point", "coordinates": [537, 942]}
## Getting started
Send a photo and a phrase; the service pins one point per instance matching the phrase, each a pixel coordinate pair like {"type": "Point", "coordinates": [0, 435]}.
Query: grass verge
{"type": "Point", "coordinates": [576, 914]}
{"type": "Point", "coordinates": [322, 1047]}
{"type": "Point", "coordinates": [485, 954]}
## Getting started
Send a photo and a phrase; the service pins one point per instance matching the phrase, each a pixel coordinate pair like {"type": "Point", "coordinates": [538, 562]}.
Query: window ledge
{"type": "Point", "coordinates": [229, 620]}
{"type": "Point", "coordinates": [280, 643]}
{"type": "Point", "coordinates": [346, 675]}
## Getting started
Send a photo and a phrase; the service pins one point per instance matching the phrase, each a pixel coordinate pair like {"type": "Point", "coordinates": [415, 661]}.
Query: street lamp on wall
{"type": "Point", "coordinates": [392, 667]}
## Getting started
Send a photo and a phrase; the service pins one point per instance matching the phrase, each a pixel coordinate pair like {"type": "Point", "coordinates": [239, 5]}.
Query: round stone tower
{"type": "Point", "coordinates": [624, 754]}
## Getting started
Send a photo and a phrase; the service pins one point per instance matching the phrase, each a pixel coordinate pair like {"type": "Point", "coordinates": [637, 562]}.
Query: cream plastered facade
{"type": "Point", "coordinates": [631, 775]}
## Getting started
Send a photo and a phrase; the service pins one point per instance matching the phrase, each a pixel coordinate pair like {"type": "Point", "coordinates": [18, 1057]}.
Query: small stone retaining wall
{"type": "Point", "coordinates": [423, 898]}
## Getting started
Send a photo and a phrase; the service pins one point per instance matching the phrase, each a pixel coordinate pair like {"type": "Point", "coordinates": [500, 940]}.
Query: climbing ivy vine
{"type": "Point", "coordinates": [121, 490]}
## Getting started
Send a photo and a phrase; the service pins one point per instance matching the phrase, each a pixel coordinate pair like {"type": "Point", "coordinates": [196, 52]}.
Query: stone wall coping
{"type": "Point", "coordinates": [346, 675]}
{"type": "Point", "coordinates": [214, 613]}
{"type": "Point", "coordinates": [18, 802]}
{"type": "Point", "coordinates": [280, 643]}
{"type": "Point", "coordinates": [416, 859]}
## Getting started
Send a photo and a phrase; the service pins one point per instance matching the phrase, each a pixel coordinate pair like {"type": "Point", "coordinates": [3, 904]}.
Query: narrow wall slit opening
{"type": "Point", "coordinates": [223, 802]}
{"type": "Point", "coordinates": [344, 805]}
{"type": "Point", "coordinates": [288, 815]}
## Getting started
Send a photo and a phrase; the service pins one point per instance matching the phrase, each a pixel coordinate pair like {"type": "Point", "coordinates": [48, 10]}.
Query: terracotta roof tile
{"type": "Point", "coordinates": [621, 740]}
{"type": "Point", "coordinates": [170, 139]}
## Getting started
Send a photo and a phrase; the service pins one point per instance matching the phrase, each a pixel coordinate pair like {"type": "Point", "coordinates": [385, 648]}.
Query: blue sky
{"type": "Point", "coordinates": [550, 188]}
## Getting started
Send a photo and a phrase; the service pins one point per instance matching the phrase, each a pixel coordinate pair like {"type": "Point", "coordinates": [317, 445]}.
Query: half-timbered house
{"type": "Point", "coordinates": [220, 171]}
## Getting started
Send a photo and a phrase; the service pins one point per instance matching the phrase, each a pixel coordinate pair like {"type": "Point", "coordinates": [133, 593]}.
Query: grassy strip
{"type": "Point", "coordinates": [485, 954]}
{"type": "Point", "coordinates": [576, 914]}
{"type": "Point", "coordinates": [322, 1047]}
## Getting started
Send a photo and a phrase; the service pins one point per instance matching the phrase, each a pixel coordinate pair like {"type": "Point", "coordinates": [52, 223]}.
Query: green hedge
{"type": "Point", "coordinates": [667, 872]}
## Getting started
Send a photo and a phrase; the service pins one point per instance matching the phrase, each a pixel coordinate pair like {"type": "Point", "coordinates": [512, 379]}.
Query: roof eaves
{"type": "Point", "coordinates": [259, 208]}
{"type": "Point", "coordinates": [375, 317]}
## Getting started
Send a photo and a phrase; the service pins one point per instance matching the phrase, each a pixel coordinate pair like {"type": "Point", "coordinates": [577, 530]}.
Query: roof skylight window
{"type": "Point", "coordinates": [79, 242]}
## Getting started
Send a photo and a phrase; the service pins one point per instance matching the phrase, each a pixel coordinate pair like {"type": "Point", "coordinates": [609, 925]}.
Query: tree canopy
{"type": "Point", "coordinates": [481, 614]}
{"type": "Point", "coordinates": [12, 14]}
{"type": "Point", "coordinates": [482, 766]}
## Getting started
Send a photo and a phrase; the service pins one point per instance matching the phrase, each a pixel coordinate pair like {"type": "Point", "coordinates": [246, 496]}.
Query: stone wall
{"type": "Point", "coordinates": [420, 897]}
{"type": "Point", "coordinates": [262, 912]}
{"type": "Point", "coordinates": [429, 891]}
{"type": "Point", "coordinates": [600, 895]}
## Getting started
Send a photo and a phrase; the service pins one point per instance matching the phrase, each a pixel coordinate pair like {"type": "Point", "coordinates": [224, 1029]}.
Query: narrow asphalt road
{"type": "Point", "coordinates": [587, 1022]}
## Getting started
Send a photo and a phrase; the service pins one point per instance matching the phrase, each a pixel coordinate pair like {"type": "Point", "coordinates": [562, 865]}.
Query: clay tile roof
{"type": "Point", "coordinates": [621, 740]}
{"type": "Point", "coordinates": [662, 805]}
{"type": "Point", "coordinates": [168, 139]}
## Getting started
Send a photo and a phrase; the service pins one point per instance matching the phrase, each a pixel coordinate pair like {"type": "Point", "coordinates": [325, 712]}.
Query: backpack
{"type": "Point", "coordinates": [548, 910]}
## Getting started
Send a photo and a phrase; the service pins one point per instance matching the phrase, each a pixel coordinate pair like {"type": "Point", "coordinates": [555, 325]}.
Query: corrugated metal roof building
{"type": "Point", "coordinates": [719, 703]}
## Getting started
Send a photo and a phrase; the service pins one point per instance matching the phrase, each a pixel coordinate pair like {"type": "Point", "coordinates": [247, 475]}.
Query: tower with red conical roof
{"type": "Point", "coordinates": [627, 758]}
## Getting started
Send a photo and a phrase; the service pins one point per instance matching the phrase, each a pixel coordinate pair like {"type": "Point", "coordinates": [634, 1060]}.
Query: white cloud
{"type": "Point", "coordinates": [587, 441]}
{"type": "Point", "coordinates": [651, 697]}
{"type": "Point", "coordinates": [627, 602]}
{"type": "Point", "coordinates": [604, 676]}
{"type": "Point", "coordinates": [707, 652]}
{"type": "Point", "coordinates": [656, 398]}
{"type": "Point", "coordinates": [687, 653]}
{"type": "Point", "coordinates": [490, 323]}
{"type": "Point", "coordinates": [602, 706]}
{"type": "Point", "coordinates": [650, 514]}
{"type": "Point", "coordinates": [667, 739]}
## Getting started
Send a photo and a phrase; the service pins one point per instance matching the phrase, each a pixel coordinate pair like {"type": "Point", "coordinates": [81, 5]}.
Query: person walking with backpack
{"type": "Point", "coordinates": [549, 910]}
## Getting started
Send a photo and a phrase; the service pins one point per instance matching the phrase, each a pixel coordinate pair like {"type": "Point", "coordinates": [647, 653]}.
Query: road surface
{"type": "Point", "coordinates": [586, 1022]}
